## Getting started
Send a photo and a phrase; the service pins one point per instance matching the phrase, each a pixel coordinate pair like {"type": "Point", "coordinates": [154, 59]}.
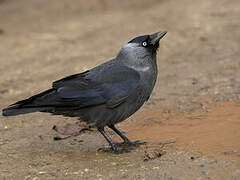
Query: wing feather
{"type": "Point", "coordinates": [113, 88]}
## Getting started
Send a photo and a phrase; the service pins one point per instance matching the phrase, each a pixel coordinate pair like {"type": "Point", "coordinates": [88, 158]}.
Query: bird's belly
{"type": "Point", "coordinates": [101, 115]}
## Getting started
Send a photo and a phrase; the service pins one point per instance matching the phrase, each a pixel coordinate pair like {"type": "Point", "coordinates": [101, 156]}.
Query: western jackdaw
{"type": "Point", "coordinates": [104, 95]}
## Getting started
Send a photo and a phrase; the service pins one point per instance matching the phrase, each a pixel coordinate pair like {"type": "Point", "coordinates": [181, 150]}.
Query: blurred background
{"type": "Point", "coordinates": [42, 41]}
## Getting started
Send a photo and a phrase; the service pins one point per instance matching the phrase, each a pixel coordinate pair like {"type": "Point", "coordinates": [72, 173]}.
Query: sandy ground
{"type": "Point", "coordinates": [195, 101]}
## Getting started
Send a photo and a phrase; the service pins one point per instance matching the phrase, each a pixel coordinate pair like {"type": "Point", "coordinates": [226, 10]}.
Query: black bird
{"type": "Point", "coordinates": [104, 95]}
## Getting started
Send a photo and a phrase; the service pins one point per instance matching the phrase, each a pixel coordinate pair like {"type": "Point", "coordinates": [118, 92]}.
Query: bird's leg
{"type": "Point", "coordinates": [126, 142]}
{"type": "Point", "coordinates": [113, 147]}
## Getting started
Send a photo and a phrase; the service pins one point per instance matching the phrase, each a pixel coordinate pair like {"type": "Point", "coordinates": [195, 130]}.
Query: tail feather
{"type": "Point", "coordinates": [26, 106]}
{"type": "Point", "coordinates": [15, 111]}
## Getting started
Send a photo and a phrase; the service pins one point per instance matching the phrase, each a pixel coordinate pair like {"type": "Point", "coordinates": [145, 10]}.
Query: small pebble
{"type": "Point", "coordinates": [36, 178]}
{"type": "Point", "coordinates": [195, 157]}
{"type": "Point", "coordinates": [114, 164]}
{"type": "Point", "coordinates": [230, 152]}
{"type": "Point", "coordinates": [205, 172]}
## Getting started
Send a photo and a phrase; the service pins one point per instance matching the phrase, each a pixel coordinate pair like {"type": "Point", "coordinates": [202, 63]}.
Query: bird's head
{"type": "Point", "coordinates": [141, 47]}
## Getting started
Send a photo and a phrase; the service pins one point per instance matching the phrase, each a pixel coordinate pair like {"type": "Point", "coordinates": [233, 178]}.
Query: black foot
{"type": "Point", "coordinates": [129, 143]}
{"type": "Point", "coordinates": [115, 150]}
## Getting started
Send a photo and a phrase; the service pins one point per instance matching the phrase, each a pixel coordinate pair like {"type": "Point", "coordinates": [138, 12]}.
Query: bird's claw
{"type": "Point", "coordinates": [130, 143]}
{"type": "Point", "coordinates": [114, 150]}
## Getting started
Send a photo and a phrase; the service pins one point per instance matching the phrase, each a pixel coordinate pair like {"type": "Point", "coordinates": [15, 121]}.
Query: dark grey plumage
{"type": "Point", "coordinates": [104, 95]}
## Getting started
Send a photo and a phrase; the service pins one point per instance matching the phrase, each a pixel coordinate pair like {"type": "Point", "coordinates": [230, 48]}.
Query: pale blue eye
{"type": "Point", "coordinates": [144, 44]}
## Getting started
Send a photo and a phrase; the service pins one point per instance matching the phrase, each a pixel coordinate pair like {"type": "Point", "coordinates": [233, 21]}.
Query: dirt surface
{"type": "Point", "coordinates": [195, 101]}
{"type": "Point", "coordinates": [214, 132]}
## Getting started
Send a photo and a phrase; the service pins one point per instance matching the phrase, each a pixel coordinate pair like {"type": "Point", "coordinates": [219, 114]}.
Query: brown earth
{"type": "Point", "coordinates": [195, 101]}
{"type": "Point", "coordinates": [214, 132]}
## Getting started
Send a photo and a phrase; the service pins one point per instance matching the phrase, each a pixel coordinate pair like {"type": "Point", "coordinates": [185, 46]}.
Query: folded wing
{"type": "Point", "coordinates": [83, 90]}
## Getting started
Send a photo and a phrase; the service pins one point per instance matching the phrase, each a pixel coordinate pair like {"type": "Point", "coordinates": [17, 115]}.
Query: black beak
{"type": "Point", "coordinates": [155, 38]}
